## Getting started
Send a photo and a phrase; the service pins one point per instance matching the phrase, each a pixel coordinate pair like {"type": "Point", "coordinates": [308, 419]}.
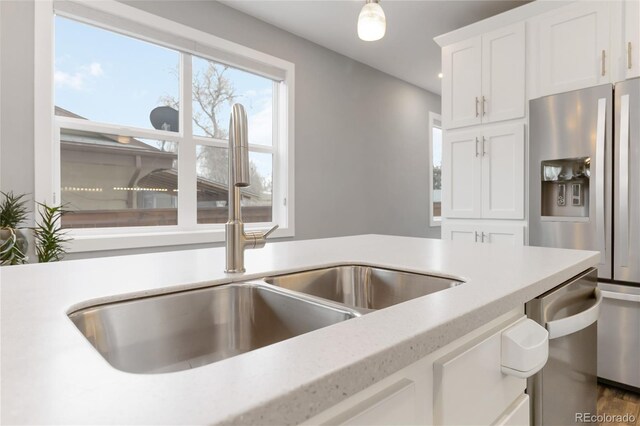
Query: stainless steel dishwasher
{"type": "Point", "coordinates": [567, 385]}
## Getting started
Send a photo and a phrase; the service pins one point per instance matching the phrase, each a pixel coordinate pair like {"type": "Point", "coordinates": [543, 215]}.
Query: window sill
{"type": "Point", "coordinates": [88, 243]}
{"type": "Point", "coordinates": [435, 222]}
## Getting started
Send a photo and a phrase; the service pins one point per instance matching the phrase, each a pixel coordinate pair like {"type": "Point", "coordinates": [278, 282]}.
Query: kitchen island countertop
{"type": "Point", "coordinates": [51, 374]}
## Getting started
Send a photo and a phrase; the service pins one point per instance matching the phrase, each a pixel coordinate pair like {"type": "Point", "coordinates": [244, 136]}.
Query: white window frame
{"type": "Point", "coordinates": [435, 120]}
{"type": "Point", "coordinates": [188, 231]}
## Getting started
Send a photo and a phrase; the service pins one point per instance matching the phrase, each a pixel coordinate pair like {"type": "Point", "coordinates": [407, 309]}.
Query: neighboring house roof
{"type": "Point", "coordinates": [212, 191]}
{"type": "Point", "coordinates": [82, 141]}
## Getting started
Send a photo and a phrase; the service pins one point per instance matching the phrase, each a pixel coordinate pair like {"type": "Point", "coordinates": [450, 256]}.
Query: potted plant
{"type": "Point", "coordinates": [13, 242]}
{"type": "Point", "coordinates": [50, 239]}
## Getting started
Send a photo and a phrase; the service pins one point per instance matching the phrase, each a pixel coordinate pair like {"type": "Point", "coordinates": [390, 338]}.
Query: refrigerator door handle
{"type": "Point", "coordinates": [577, 322]}
{"type": "Point", "coordinates": [622, 255]}
{"type": "Point", "coordinates": [600, 176]}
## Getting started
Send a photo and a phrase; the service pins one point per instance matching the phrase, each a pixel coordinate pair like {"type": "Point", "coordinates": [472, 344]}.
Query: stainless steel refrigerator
{"type": "Point", "coordinates": [584, 180]}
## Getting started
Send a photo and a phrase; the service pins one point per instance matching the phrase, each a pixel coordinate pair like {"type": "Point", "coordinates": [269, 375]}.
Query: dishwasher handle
{"type": "Point", "coordinates": [577, 322]}
{"type": "Point", "coordinates": [621, 296]}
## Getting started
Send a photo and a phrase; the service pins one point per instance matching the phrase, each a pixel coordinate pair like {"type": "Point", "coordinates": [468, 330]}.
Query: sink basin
{"type": "Point", "coordinates": [185, 330]}
{"type": "Point", "coordinates": [363, 287]}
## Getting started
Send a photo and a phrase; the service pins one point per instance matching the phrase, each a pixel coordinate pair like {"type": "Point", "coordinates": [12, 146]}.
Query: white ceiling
{"type": "Point", "coordinates": [407, 51]}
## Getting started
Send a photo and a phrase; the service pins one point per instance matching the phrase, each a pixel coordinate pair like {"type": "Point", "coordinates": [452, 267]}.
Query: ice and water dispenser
{"type": "Point", "coordinates": [565, 189]}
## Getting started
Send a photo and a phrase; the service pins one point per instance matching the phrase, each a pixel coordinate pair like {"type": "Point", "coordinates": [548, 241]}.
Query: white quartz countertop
{"type": "Point", "coordinates": [51, 374]}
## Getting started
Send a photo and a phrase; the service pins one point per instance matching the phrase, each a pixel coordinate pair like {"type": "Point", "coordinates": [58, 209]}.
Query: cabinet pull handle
{"type": "Point", "coordinates": [629, 55]}
{"type": "Point", "coordinates": [477, 102]}
{"type": "Point", "coordinates": [484, 109]}
{"type": "Point", "coordinates": [484, 152]}
{"type": "Point", "coordinates": [476, 236]}
{"type": "Point", "coordinates": [483, 237]}
{"type": "Point", "coordinates": [604, 55]}
{"type": "Point", "coordinates": [477, 153]}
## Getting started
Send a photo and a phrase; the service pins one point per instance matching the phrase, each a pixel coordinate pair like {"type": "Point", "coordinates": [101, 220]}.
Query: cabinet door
{"type": "Point", "coordinates": [459, 232]}
{"type": "Point", "coordinates": [503, 74]}
{"type": "Point", "coordinates": [461, 83]}
{"type": "Point", "coordinates": [503, 172]}
{"type": "Point", "coordinates": [632, 38]}
{"type": "Point", "coordinates": [461, 164]}
{"type": "Point", "coordinates": [517, 415]}
{"type": "Point", "coordinates": [512, 235]}
{"type": "Point", "coordinates": [469, 386]}
{"type": "Point", "coordinates": [574, 50]}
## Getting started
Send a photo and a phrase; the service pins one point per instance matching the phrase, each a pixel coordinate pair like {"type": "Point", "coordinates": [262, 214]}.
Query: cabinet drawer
{"type": "Point", "coordinates": [469, 386]}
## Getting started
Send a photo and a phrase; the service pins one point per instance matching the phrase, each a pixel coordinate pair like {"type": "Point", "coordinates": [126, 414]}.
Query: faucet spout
{"type": "Point", "coordinates": [238, 147]}
{"type": "Point", "coordinates": [236, 239]}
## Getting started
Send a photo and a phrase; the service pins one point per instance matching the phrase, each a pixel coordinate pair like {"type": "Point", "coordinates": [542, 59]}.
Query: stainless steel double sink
{"type": "Point", "coordinates": [179, 331]}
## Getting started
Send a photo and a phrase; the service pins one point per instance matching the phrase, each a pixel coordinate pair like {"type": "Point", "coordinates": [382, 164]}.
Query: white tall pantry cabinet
{"type": "Point", "coordinates": [483, 157]}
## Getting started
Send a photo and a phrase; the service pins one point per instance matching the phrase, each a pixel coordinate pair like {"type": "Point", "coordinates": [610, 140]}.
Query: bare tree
{"type": "Point", "coordinates": [437, 177]}
{"type": "Point", "coordinates": [212, 89]}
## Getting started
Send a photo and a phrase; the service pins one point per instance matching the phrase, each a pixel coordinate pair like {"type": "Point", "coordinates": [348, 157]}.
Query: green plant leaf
{"type": "Point", "coordinates": [13, 210]}
{"type": "Point", "coordinates": [50, 238]}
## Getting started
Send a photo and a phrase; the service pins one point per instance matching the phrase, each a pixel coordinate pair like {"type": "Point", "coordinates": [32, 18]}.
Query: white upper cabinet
{"type": "Point", "coordinates": [484, 78]}
{"type": "Point", "coordinates": [503, 172]}
{"type": "Point", "coordinates": [461, 83]}
{"type": "Point", "coordinates": [632, 38]}
{"type": "Point", "coordinates": [503, 74]}
{"type": "Point", "coordinates": [574, 47]}
{"type": "Point", "coordinates": [483, 173]}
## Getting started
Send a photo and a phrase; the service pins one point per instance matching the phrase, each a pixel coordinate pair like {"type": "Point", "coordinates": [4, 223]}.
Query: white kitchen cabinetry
{"type": "Point", "coordinates": [574, 47]}
{"type": "Point", "coordinates": [461, 83]}
{"type": "Point", "coordinates": [414, 394]}
{"type": "Point", "coordinates": [470, 387]}
{"type": "Point", "coordinates": [503, 172]}
{"type": "Point", "coordinates": [461, 232]}
{"type": "Point", "coordinates": [517, 415]}
{"type": "Point", "coordinates": [484, 173]}
{"type": "Point", "coordinates": [484, 78]}
{"type": "Point", "coordinates": [396, 404]}
{"type": "Point", "coordinates": [484, 233]}
{"type": "Point", "coordinates": [461, 180]}
{"type": "Point", "coordinates": [632, 38]}
{"type": "Point", "coordinates": [503, 74]}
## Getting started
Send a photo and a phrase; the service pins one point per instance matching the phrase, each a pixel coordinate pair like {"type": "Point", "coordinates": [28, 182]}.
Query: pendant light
{"type": "Point", "coordinates": [372, 23]}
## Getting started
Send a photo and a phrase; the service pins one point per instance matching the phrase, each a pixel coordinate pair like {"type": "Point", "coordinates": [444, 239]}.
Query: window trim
{"type": "Point", "coordinates": [433, 119]}
{"type": "Point", "coordinates": [47, 129]}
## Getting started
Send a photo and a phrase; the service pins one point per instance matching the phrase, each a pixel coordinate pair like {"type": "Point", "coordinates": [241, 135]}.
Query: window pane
{"type": "Point", "coordinates": [110, 180]}
{"type": "Point", "coordinates": [437, 171]}
{"type": "Point", "coordinates": [216, 87]}
{"type": "Point", "coordinates": [107, 77]}
{"type": "Point", "coordinates": [213, 169]}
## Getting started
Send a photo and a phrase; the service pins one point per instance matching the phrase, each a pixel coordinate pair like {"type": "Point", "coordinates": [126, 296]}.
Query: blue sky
{"type": "Point", "coordinates": [107, 77]}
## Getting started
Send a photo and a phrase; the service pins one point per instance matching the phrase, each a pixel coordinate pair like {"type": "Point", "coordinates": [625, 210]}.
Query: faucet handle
{"type": "Point", "coordinates": [257, 239]}
{"type": "Point", "coordinates": [266, 234]}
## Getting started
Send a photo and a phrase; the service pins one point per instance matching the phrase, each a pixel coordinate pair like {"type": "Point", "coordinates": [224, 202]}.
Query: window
{"type": "Point", "coordinates": [141, 111]}
{"type": "Point", "coordinates": [435, 169]}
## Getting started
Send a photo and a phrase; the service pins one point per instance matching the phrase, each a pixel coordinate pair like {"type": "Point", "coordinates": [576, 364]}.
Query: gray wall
{"type": "Point", "coordinates": [361, 136]}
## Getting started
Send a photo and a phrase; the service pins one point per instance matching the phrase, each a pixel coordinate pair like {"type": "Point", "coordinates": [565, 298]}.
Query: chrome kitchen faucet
{"type": "Point", "coordinates": [236, 239]}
